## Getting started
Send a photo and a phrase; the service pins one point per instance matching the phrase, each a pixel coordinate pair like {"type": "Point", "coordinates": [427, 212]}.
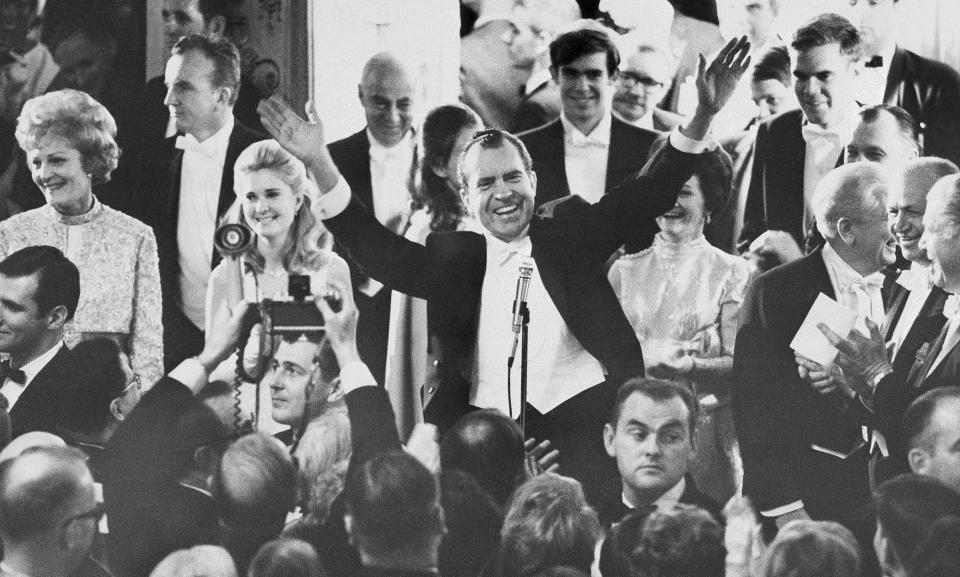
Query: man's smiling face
{"type": "Point", "coordinates": [500, 189]}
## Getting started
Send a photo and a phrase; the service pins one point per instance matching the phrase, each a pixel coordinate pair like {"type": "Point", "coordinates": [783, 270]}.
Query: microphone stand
{"type": "Point", "coordinates": [524, 322]}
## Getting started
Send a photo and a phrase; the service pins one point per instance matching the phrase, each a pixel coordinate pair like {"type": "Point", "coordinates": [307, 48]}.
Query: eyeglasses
{"type": "Point", "coordinates": [135, 382]}
{"type": "Point", "coordinates": [631, 78]}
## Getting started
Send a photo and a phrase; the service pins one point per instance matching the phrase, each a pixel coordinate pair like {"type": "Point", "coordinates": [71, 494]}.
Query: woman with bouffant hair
{"type": "Point", "coordinates": [69, 140]}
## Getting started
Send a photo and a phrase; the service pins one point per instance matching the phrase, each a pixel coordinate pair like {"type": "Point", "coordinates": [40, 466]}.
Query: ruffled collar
{"type": "Point", "coordinates": [70, 220]}
{"type": "Point", "coordinates": [668, 249]}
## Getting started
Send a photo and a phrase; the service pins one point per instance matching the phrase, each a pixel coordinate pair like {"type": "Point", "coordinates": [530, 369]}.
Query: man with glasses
{"type": "Point", "coordinates": [48, 513]}
{"type": "Point", "coordinates": [645, 77]}
{"type": "Point", "coordinates": [587, 150]}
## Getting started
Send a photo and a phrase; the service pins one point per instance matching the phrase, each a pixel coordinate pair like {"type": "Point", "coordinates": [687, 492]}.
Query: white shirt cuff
{"type": "Point", "coordinates": [334, 202]}
{"type": "Point", "coordinates": [356, 375]}
{"type": "Point", "coordinates": [689, 145]}
{"type": "Point", "coordinates": [783, 510]}
{"type": "Point", "coordinates": [190, 372]}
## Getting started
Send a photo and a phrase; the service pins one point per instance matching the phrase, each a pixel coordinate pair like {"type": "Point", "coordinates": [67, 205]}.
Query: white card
{"type": "Point", "coordinates": [810, 342]}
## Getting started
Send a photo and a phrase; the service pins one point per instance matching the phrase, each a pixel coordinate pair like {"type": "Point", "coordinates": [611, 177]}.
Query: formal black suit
{"type": "Point", "coordinates": [930, 91]}
{"type": "Point", "coordinates": [569, 246]}
{"type": "Point", "coordinates": [158, 204]}
{"type": "Point", "coordinates": [44, 403]}
{"type": "Point", "coordinates": [613, 508]}
{"type": "Point", "coordinates": [779, 417]}
{"type": "Point", "coordinates": [775, 196]}
{"type": "Point", "coordinates": [540, 106]}
{"type": "Point", "coordinates": [629, 147]}
{"type": "Point", "coordinates": [352, 157]}
{"type": "Point", "coordinates": [151, 514]}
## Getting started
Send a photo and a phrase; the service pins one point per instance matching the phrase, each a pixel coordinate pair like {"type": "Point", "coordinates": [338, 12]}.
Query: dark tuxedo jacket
{"type": "Point", "coordinates": [151, 514]}
{"type": "Point", "coordinates": [44, 402]}
{"type": "Point", "coordinates": [352, 157]}
{"type": "Point", "coordinates": [538, 108]}
{"type": "Point", "coordinates": [778, 416]}
{"type": "Point", "coordinates": [930, 91]}
{"type": "Point", "coordinates": [612, 510]}
{"type": "Point", "coordinates": [158, 202]}
{"type": "Point", "coordinates": [629, 148]}
{"type": "Point", "coordinates": [775, 196]}
{"type": "Point", "coordinates": [570, 247]}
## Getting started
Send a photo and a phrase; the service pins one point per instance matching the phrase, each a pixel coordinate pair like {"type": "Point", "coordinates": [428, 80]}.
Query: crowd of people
{"type": "Point", "coordinates": [568, 326]}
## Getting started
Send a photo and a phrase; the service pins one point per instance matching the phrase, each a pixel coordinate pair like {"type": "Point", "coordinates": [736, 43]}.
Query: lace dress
{"type": "Point", "coordinates": [687, 296]}
{"type": "Point", "coordinates": [119, 277]}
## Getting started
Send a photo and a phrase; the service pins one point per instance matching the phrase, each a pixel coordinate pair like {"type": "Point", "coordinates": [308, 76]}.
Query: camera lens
{"type": "Point", "coordinates": [233, 239]}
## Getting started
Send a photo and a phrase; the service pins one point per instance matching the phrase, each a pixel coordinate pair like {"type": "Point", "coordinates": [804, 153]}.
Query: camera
{"type": "Point", "coordinates": [295, 316]}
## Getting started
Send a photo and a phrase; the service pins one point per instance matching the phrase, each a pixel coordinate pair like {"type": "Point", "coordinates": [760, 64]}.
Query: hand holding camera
{"type": "Point", "coordinates": [340, 315]}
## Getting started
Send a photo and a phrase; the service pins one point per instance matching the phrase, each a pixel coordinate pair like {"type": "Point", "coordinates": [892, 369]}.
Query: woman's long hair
{"type": "Point", "coordinates": [438, 136]}
{"type": "Point", "coordinates": [308, 243]}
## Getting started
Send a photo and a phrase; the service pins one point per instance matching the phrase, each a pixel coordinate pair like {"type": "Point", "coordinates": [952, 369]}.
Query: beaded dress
{"type": "Point", "coordinates": [119, 276]}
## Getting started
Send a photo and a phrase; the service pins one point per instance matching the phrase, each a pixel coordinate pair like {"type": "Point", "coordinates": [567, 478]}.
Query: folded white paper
{"type": "Point", "coordinates": [810, 342]}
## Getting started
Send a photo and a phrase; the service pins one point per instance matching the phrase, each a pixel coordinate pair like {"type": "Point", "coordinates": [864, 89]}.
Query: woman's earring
{"type": "Point", "coordinates": [707, 218]}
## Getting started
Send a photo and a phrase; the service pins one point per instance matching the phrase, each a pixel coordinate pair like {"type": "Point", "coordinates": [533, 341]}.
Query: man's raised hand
{"type": "Point", "coordinates": [717, 82]}
{"type": "Point", "coordinates": [302, 138]}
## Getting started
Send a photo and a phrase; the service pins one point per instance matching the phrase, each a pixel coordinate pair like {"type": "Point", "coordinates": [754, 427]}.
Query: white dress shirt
{"type": "Point", "coordinates": [823, 148]}
{"type": "Point", "coordinates": [917, 280]}
{"type": "Point", "coordinates": [389, 171]}
{"type": "Point", "coordinates": [854, 291]}
{"type": "Point", "coordinates": [200, 178]}
{"type": "Point", "coordinates": [12, 390]}
{"type": "Point", "coordinates": [585, 158]}
{"type": "Point", "coordinates": [873, 81]}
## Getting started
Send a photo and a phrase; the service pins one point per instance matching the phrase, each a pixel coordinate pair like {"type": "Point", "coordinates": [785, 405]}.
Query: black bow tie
{"type": "Point", "coordinates": [8, 372]}
{"type": "Point", "coordinates": [875, 62]}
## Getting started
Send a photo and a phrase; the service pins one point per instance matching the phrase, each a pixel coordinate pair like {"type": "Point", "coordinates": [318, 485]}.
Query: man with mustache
{"type": "Point", "coordinates": [794, 150]}
{"type": "Point", "coordinates": [582, 344]}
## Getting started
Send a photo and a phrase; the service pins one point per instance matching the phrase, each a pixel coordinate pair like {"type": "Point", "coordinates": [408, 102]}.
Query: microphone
{"type": "Point", "coordinates": [519, 303]}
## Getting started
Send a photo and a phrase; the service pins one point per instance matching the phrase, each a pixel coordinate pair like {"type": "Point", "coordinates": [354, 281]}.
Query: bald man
{"type": "Point", "coordinates": [375, 162]}
{"type": "Point", "coordinates": [802, 448]}
{"type": "Point", "coordinates": [48, 512]}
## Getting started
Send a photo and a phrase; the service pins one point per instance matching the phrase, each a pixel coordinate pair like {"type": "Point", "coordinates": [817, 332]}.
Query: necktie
{"type": "Point", "coordinates": [8, 372]}
{"type": "Point", "coordinates": [875, 62]}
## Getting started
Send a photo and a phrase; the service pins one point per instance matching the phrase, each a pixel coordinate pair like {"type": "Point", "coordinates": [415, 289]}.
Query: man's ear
{"type": "Point", "coordinates": [206, 460]}
{"type": "Point", "coordinates": [216, 27]}
{"type": "Point", "coordinates": [336, 391]}
{"type": "Point", "coordinates": [116, 409]}
{"type": "Point", "coordinates": [57, 317]}
{"type": "Point", "coordinates": [918, 460]}
{"type": "Point", "coordinates": [608, 435]}
{"type": "Point", "coordinates": [845, 230]}
{"type": "Point", "coordinates": [360, 93]}
{"type": "Point", "coordinates": [533, 180]}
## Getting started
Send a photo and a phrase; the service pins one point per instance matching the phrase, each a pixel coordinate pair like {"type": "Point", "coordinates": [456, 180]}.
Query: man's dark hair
{"type": "Point", "coordinates": [473, 524]}
{"type": "Point", "coordinates": [31, 508]}
{"type": "Point", "coordinates": [582, 42]}
{"type": "Point", "coordinates": [488, 445]}
{"type": "Point", "coordinates": [58, 280]}
{"type": "Point", "coordinates": [222, 54]}
{"type": "Point", "coordinates": [394, 502]}
{"type": "Point", "coordinates": [774, 64]}
{"type": "Point", "coordinates": [229, 9]}
{"type": "Point", "coordinates": [99, 380]}
{"type": "Point", "coordinates": [684, 541]}
{"type": "Point", "coordinates": [907, 507]}
{"type": "Point", "coordinates": [489, 139]}
{"type": "Point", "coordinates": [909, 129]}
{"type": "Point", "coordinates": [826, 29]}
{"type": "Point", "coordinates": [658, 390]}
{"type": "Point", "coordinates": [916, 419]}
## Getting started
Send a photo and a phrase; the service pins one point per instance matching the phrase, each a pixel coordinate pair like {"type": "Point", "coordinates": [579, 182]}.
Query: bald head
{"type": "Point", "coordinates": [850, 207]}
{"type": "Point", "coordinates": [388, 95]}
{"type": "Point", "coordinates": [908, 202]}
{"type": "Point", "coordinates": [40, 490]}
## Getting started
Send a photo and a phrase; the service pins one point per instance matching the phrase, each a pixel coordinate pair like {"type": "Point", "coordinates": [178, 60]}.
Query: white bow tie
{"type": "Point", "coordinates": [188, 142]}
{"type": "Point", "coordinates": [814, 133]}
{"type": "Point", "coordinates": [865, 283]}
{"type": "Point", "coordinates": [581, 140]}
{"type": "Point", "coordinates": [381, 153]}
{"type": "Point", "coordinates": [504, 251]}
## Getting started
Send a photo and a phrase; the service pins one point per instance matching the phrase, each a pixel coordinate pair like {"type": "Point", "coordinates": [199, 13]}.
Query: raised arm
{"type": "Point", "coordinates": [391, 259]}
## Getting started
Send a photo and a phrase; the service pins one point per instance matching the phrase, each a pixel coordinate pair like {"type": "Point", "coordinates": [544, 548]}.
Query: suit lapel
{"type": "Point", "coordinates": [894, 309]}
{"type": "Point", "coordinates": [555, 165]}
{"type": "Point", "coordinates": [40, 397]}
{"type": "Point", "coordinates": [891, 94]}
